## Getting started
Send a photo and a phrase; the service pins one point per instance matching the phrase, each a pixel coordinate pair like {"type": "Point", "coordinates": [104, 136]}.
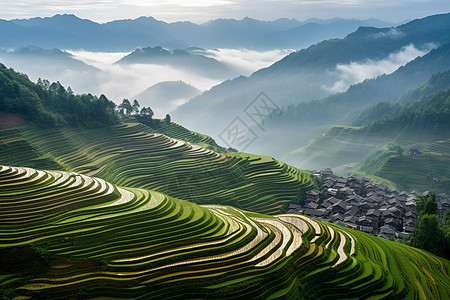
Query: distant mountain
{"type": "Point", "coordinates": [420, 119]}
{"type": "Point", "coordinates": [180, 59]}
{"type": "Point", "coordinates": [316, 30]}
{"type": "Point", "coordinates": [306, 76]}
{"type": "Point", "coordinates": [52, 65]}
{"type": "Point", "coordinates": [353, 107]}
{"type": "Point", "coordinates": [174, 93]}
{"type": "Point", "coordinates": [71, 32]}
{"type": "Point", "coordinates": [45, 58]}
{"type": "Point", "coordinates": [387, 109]}
{"type": "Point", "coordinates": [59, 31]}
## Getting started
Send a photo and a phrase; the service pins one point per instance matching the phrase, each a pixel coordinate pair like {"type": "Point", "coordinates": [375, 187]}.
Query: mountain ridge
{"type": "Point", "coordinates": [301, 77]}
{"type": "Point", "coordinates": [126, 35]}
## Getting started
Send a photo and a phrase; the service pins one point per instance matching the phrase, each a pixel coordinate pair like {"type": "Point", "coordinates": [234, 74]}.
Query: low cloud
{"type": "Point", "coordinates": [393, 33]}
{"type": "Point", "coordinates": [119, 81]}
{"type": "Point", "coordinates": [99, 75]}
{"type": "Point", "coordinates": [247, 61]}
{"type": "Point", "coordinates": [356, 72]}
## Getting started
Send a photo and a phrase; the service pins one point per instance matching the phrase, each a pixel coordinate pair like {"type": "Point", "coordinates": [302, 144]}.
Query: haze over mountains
{"type": "Point", "coordinates": [310, 74]}
{"type": "Point", "coordinates": [165, 96]}
{"type": "Point", "coordinates": [71, 32]}
{"type": "Point", "coordinates": [104, 73]}
{"type": "Point", "coordinates": [64, 43]}
{"type": "Point", "coordinates": [181, 59]}
{"type": "Point", "coordinates": [312, 89]}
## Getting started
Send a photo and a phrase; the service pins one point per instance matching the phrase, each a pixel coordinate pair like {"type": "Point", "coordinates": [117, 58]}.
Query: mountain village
{"type": "Point", "coordinates": [358, 203]}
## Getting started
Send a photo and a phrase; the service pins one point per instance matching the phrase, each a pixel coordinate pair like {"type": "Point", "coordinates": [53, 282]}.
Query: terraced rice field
{"type": "Point", "coordinates": [173, 163]}
{"type": "Point", "coordinates": [427, 171]}
{"type": "Point", "coordinates": [71, 235]}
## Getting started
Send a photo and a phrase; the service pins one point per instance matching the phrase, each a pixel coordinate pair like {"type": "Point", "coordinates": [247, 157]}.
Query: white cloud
{"type": "Point", "coordinates": [247, 61]}
{"type": "Point", "coordinates": [356, 72]}
{"type": "Point", "coordinates": [119, 81]}
{"type": "Point", "coordinates": [393, 33]}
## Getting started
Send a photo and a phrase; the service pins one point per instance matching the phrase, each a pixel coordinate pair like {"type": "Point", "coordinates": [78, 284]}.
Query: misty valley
{"type": "Point", "coordinates": [231, 159]}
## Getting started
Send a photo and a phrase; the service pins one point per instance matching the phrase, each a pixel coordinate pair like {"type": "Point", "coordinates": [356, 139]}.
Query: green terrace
{"type": "Point", "coordinates": [174, 161]}
{"type": "Point", "coordinates": [63, 235]}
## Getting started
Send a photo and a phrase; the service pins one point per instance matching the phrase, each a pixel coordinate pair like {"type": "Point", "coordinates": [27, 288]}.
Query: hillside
{"type": "Point", "coordinates": [417, 120]}
{"type": "Point", "coordinates": [314, 118]}
{"type": "Point", "coordinates": [180, 59]}
{"type": "Point", "coordinates": [50, 104]}
{"type": "Point", "coordinates": [136, 156]}
{"type": "Point", "coordinates": [301, 81]}
{"type": "Point", "coordinates": [53, 65]}
{"type": "Point", "coordinates": [174, 94]}
{"type": "Point", "coordinates": [87, 237]}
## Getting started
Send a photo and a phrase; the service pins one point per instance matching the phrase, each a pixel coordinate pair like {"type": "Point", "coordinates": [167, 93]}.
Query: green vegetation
{"type": "Point", "coordinates": [431, 114]}
{"type": "Point", "coordinates": [340, 145]}
{"type": "Point", "coordinates": [138, 156]}
{"type": "Point", "coordinates": [429, 234]}
{"type": "Point", "coordinates": [420, 120]}
{"type": "Point", "coordinates": [50, 104]}
{"type": "Point", "coordinates": [167, 214]}
{"type": "Point", "coordinates": [427, 171]}
{"type": "Point", "coordinates": [84, 237]}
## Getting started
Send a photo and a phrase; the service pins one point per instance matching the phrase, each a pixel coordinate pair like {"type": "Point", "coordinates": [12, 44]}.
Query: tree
{"type": "Point", "coordinates": [147, 111]}
{"type": "Point", "coordinates": [446, 232]}
{"type": "Point", "coordinates": [136, 106]}
{"type": "Point", "coordinates": [427, 204]}
{"type": "Point", "coordinates": [428, 234]}
{"type": "Point", "coordinates": [167, 119]}
{"type": "Point", "coordinates": [447, 217]}
{"type": "Point", "coordinates": [51, 105]}
{"type": "Point", "coordinates": [121, 109]}
{"type": "Point", "coordinates": [125, 107]}
{"type": "Point", "coordinates": [43, 83]}
{"type": "Point", "coordinates": [396, 148]}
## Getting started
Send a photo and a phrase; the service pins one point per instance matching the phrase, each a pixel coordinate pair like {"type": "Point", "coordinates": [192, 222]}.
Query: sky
{"type": "Point", "coordinates": [200, 11]}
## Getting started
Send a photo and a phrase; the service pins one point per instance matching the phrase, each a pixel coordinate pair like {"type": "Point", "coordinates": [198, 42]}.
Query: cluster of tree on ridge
{"type": "Point", "coordinates": [143, 115]}
{"type": "Point", "coordinates": [50, 104]}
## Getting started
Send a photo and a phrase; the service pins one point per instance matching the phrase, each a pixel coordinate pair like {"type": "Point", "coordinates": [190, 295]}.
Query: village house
{"type": "Point", "coordinates": [443, 205]}
{"type": "Point", "coordinates": [313, 196]}
{"type": "Point", "coordinates": [355, 202]}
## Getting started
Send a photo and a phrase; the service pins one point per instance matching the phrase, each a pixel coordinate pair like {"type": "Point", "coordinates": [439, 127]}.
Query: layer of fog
{"type": "Point", "coordinates": [355, 72]}
{"type": "Point", "coordinates": [119, 81]}
{"type": "Point", "coordinates": [247, 61]}
{"type": "Point", "coordinates": [97, 73]}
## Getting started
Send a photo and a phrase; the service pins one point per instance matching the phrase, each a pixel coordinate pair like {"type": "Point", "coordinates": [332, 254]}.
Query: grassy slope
{"type": "Point", "coordinates": [428, 171]}
{"type": "Point", "coordinates": [134, 243]}
{"type": "Point", "coordinates": [349, 149]}
{"type": "Point", "coordinates": [136, 156]}
{"type": "Point", "coordinates": [341, 145]}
